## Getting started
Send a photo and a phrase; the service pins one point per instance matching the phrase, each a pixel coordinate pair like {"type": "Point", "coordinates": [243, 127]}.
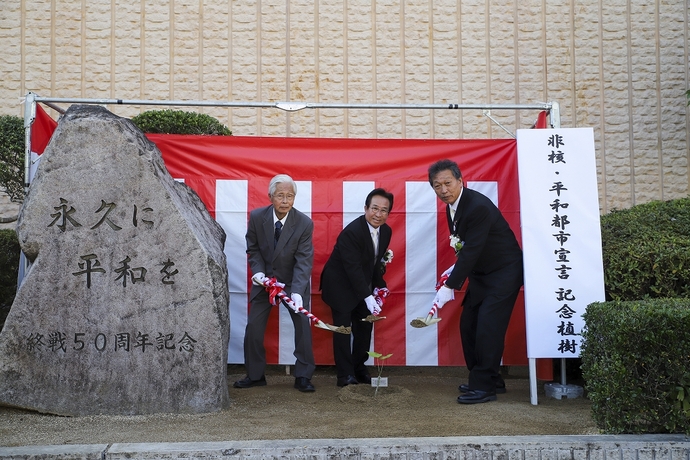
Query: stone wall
{"type": "Point", "coordinates": [620, 67]}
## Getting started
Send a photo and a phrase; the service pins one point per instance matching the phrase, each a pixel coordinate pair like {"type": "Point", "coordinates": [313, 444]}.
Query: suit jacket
{"type": "Point", "coordinates": [490, 245]}
{"type": "Point", "coordinates": [352, 271]}
{"type": "Point", "coordinates": [291, 260]}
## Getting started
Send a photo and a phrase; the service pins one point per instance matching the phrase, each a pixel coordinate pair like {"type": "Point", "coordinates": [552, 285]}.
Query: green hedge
{"type": "Point", "coordinates": [635, 358]}
{"type": "Point", "coordinates": [179, 122]}
{"type": "Point", "coordinates": [12, 144]}
{"type": "Point", "coordinates": [646, 251]}
{"type": "Point", "coordinates": [9, 261]}
{"type": "Point", "coordinates": [636, 361]}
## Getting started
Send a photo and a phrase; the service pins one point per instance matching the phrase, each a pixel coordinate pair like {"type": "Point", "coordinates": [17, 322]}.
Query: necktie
{"type": "Point", "coordinates": [276, 236]}
{"type": "Point", "coordinates": [452, 214]}
{"type": "Point", "coordinates": [375, 240]}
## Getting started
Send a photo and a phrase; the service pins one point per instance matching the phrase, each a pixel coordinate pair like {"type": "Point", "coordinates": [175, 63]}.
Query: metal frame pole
{"type": "Point", "coordinates": [29, 117]}
{"type": "Point", "coordinates": [296, 106]}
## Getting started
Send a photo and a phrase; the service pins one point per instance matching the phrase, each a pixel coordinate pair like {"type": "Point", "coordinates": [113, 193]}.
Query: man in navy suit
{"type": "Point", "coordinates": [488, 255]}
{"type": "Point", "coordinates": [279, 244]}
{"type": "Point", "coordinates": [349, 277]}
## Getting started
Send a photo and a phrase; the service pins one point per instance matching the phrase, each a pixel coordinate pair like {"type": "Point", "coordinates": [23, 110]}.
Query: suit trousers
{"type": "Point", "coordinates": [484, 321]}
{"type": "Point", "coordinates": [254, 350]}
{"type": "Point", "coordinates": [350, 352]}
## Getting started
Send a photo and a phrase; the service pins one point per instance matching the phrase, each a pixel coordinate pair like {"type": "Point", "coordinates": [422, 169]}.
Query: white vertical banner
{"type": "Point", "coordinates": [231, 214]}
{"type": "Point", "coordinates": [421, 248]}
{"type": "Point", "coordinates": [286, 330]}
{"type": "Point", "coordinates": [561, 237]}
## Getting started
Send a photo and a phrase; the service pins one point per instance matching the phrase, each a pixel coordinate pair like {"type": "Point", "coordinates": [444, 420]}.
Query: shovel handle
{"type": "Point", "coordinates": [432, 312]}
{"type": "Point", "coordinates": [291, 305]}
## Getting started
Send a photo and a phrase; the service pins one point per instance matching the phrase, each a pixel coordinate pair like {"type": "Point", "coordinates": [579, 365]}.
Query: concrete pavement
{"type": "Point", "coordinates": [598, 447]}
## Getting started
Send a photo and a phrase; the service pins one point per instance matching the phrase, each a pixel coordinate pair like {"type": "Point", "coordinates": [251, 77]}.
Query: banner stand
{"type": "Point", "coordinates": [31, 99]}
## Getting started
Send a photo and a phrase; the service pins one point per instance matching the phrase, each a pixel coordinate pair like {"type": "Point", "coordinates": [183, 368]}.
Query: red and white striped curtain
{"type": "Point", "coordinates": [231, 176]}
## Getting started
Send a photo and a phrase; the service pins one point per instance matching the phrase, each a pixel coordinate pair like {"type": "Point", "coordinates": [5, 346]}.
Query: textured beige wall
{"type": "Point", "coordinates": [618, 66]}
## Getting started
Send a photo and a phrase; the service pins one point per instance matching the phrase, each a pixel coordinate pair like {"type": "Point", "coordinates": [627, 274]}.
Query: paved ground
{"type": "Point", "coordinates": [419, 402]}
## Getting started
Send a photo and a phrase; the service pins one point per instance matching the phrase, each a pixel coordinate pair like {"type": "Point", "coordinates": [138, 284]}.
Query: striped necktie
{"type": "Point", "coordinates": [276, 236]}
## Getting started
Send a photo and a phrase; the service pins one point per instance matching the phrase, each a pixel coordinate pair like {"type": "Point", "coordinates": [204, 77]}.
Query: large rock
{"type": "Point", "coordinates": [125, 307]}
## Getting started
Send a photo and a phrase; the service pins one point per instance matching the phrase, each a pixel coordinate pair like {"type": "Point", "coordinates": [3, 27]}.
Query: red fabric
{"type": "Point", "coordinates": [328, 162]}
{"type": "Point", "coordinates": [41, 130]}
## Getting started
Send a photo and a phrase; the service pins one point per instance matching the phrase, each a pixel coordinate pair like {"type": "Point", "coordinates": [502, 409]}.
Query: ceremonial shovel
{"type": "Point", "coordinates": [380, 295]}
{"type": "Point", "coordinates": [275, 289]}
{"type": "Point", "coordinates": [317, 322]}
{"type": "Point", "coordinates": [428, 321]}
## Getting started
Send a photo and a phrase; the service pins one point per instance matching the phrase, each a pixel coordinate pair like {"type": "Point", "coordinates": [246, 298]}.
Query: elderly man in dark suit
{"type": "Point", "coordinates": [354, 269]}
{"type": "Point", "coordinates": [279, 244]}
{"type": "Point", "coordinates": [489, 256]}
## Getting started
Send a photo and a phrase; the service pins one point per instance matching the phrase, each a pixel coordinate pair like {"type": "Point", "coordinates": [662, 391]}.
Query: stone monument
{"type": "Point", "coordinates": [124, 309]}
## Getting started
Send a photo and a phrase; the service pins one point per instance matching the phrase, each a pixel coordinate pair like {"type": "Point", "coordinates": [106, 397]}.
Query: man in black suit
{"type": "Point", "coordinates": [349, 277]}
{"type": "Point", "coordinates": [279, 244]}
{"type": "Point", "coordinates": [489, 256]}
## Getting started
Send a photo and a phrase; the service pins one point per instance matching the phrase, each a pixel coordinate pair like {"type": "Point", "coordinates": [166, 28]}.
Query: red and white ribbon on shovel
{"type": "Point", "coordinates": [429, 320]}
{"type": "Point", "coordinates": [277, 294]}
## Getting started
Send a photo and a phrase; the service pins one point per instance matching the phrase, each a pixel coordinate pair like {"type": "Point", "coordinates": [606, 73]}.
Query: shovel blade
{"type": "Point", "coordinates": [424, 322]}
{"type": "Point", "coordinates": [338, 329]}
{"type": "Point", "coordinates": [373, 318]}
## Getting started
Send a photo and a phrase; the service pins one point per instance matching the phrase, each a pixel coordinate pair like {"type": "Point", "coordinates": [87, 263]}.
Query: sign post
{"type": "Point", "coordinates": [561, 239]}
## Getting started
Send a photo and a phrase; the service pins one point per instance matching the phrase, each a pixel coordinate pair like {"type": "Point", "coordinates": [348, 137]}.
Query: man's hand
{"type": "Point", "coordinates": [443, 296]}
{"type": "Point", "coordinates": [372, 305]}
{"type": "Point", "coordinates": [297, 299]}
{"type": "Point", "coordinates": [444, 277]}
{"type": "Point", "coordinates": [380, 295]}
{"type": "Point", "coordinates": [258, 278]}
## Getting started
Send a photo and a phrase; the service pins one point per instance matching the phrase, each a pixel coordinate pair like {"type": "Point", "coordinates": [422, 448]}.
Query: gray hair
{"type": "Point", "coordinates": [279, 179]}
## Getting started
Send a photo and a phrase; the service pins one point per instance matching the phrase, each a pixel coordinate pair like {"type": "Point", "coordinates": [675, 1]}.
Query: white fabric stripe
{"type": "Point", "coordinates": [303, 197]}
{"type": "Point", "coordinates": [35, 160]}
{"type": "Point", "coordinates": [354, 195]}
{"type": "Point", "coordinates": [488, 189]}
{"type": "Point", "coordinates": [231, 214]}
{"type": "Point", "coordinates": [420, 272]}
{"type": "Point", "coordinates": [286, 330]}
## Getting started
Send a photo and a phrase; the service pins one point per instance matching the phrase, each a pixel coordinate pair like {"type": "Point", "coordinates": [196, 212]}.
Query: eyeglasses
{"type": "Point", "coordinates": [377, 210]}
{"type": "Point", "coordinates": [282, 197]}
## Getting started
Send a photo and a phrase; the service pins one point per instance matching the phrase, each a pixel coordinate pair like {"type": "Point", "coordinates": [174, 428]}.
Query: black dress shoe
{"type": "Point", "coordinates": [363, 378]}
{"type": "Point", "coordinates": [476, 396]}
{"type": "Point", "coordinates": [248, 383]}
{"type": "Point", "coordinates": [304, 385]}
{"type": "Point", "coordinates": [464, 388]}
{"type": "Point", "coordinates": [345, 381]}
